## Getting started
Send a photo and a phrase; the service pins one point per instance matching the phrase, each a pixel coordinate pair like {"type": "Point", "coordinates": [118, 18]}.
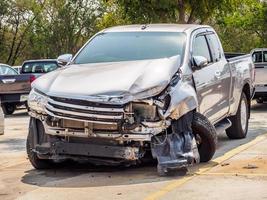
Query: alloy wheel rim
{"type": "Point", "coordinates": [243, 114]}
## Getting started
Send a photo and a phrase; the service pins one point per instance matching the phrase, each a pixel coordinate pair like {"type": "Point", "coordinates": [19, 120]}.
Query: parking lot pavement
{"type": "Point", "coordinates": [238, 171]}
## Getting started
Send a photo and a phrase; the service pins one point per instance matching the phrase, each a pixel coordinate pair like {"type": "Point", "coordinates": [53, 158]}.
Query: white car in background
{"type": "Point", "coordinates": [260, 60]}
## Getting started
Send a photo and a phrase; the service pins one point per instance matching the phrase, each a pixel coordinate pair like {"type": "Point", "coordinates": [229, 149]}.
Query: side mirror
{"type": "Point", "coordinates": [64, 59]}
{"type": "Point", "coordinates": [200, 62]}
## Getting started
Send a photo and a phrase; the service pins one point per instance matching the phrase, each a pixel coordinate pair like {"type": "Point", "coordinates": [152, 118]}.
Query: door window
{"type": "Point", "coordinates": [215, 46]}
{"type": "Point", "coordinates": [201, 48]}
{"type": "Point", "coordinates": [7, 71]}
{"type": "Point", "coordinates": [257, 57]}
{"type": "Point", "coordinates": [265, 56]}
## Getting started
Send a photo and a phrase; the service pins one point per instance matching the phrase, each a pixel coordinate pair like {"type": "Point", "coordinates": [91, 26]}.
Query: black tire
{"type": "Point", "coordinates": [260, 101]}
{"type": "Point", "coordinates": [206, 137]}
{"type": "Point", "coordinates": [236, 131]}
{"type": "Point", "coordinates": [36, 162]}
{"type": "Point", "coordinates": [8, 108]}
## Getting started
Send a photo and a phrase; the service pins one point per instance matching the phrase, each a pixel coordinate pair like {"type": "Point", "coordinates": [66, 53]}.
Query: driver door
{"type": "Point", "coordinates": [207, 80]}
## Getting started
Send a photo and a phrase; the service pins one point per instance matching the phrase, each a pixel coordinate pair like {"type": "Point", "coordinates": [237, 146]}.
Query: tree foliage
{"type": "Point", "coordinates": [33, 29]}
{"type": "Point", "coordinates": [176, 11]}
{"type": "Point", "coordinates": [244, 28]}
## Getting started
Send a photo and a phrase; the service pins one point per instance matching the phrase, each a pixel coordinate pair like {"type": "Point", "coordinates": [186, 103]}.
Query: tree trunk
{"type": "Point", "coordinates": [15, 56]}
{"type": "Point", "coordinates": [13, 42]}
{"type": "Point", "coordinates": [191, 16]}
{"type": "Point", "coordinates": [181, 9]}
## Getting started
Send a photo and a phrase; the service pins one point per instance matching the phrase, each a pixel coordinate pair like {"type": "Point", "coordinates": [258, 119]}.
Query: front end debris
{"type": "Point", "coordinates": [178, 149]}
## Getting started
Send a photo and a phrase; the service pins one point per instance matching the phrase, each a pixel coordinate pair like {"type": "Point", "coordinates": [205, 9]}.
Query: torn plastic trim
{"type": "Point", "coordinates": [178, 149]}
{"type": "Point", "coordinates": [92, 150]}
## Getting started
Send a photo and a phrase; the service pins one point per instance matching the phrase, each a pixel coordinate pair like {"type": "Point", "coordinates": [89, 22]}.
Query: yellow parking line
{"type": "Point", "coordinates": [203, 169]}
{"type": "Point", "coordinates": [235, 174]}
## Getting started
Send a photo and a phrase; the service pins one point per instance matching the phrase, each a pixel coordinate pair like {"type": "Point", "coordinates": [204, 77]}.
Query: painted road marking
{"type": "Point", "coordinates": [204, 169]}
{"type": "Point", "coordinates": [234, 174]}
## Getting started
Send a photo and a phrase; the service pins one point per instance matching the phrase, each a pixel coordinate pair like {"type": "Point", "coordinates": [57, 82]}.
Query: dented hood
{"type": "Point", "coordinates": [105, 81]}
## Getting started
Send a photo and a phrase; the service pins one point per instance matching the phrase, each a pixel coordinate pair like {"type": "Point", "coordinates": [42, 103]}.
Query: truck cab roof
{"type": "Point", "coordinates": [156, 28]}
{"type": "Point", "coordinates": [40, 60]}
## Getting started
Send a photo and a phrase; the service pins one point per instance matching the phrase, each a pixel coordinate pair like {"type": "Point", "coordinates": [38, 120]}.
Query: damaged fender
{"type": "Point", "coordinates": [183, 100]}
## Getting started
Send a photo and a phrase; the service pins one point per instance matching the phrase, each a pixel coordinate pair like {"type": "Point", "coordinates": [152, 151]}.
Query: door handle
{"type": "Point", "coordinates": [8, 80]}
{"type": "Point", "coordinates": [217, 74]}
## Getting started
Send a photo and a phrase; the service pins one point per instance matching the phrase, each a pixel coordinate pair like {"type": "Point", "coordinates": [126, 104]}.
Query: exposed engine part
{"type": "Point", "coordinates": [138, 112]}
{"type": "Point", "coordinates": [144, 112]}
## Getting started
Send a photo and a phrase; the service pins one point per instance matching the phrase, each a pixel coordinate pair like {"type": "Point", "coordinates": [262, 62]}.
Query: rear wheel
{"type": "Point", "coordinates": [259, 100]}
{"type": "Point", "coordinates": [239, 127]}
{"type": "Point", "coordinates": [206, 137]}
{"type": "Point", "coordinates": [8, 108]}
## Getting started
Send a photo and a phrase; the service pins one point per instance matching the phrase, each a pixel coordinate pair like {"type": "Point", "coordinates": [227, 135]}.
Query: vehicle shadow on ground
{"type": "Point", "coordinates": [85, 175]}
{"type": "Point", "coordinates": [257, 124]}
{"type": "Point", "coordinates": [261, 107]}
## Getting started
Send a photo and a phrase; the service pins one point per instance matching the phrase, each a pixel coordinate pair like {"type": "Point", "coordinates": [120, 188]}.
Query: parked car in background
{"type": "Point", "coordinates": [37, 68]}
{"type": "Point", "coordinates": [2, 123]}
{"type": "Point", "coordinates": [259, 57]}
{"type": "Point", "coordinates": [7, 70]}
{"type": "Point", "coordinates": [133, 90]}
{"type": "Point", "coordinates": [15, 87]}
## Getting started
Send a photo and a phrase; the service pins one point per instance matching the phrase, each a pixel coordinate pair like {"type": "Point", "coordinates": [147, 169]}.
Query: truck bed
{"type": "Point", "coordinates": [15, 84]}
{"type": "Point", "coordinates": [14, 88]}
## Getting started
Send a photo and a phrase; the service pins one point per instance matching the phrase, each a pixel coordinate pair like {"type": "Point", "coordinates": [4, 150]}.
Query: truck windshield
{"type": "Point", "coordinates": [130, 46]}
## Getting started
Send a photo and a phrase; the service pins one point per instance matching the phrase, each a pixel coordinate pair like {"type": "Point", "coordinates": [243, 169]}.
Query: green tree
{"type": "Point", "coordinates": [64, 26]}
{"type": "Point", "coordinates": [16, 23]}
{"type": "Point", "coordinates": [244, 27]}
{"type": "Point", "coordinates": [179, 11]}
{"type": "Point", "coordinates": [33, 29]}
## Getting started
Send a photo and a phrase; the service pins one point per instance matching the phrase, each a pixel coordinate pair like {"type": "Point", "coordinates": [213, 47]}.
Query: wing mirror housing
{"type": "Point", "coordinates": [199, 62]}
{"type": "Point", "coordinates": [64, 59]}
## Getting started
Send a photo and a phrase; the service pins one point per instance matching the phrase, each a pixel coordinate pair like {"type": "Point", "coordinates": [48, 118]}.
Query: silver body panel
{"type": "Point", "coordinates": [261, 74]}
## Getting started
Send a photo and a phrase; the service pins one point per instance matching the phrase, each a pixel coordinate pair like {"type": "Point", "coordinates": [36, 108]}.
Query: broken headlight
{"type": "Point", "coordinates": [138, 112]}
{"type": "Point", "coordinates": [164, 99]}
{"type": "Point", "coordinates": [37, 101]}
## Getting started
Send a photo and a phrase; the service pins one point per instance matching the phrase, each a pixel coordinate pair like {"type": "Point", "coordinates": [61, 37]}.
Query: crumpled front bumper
{"type": "Point", "coordinates": [143, 132]}
{"type": "Point", "coordinates": [118, 121]}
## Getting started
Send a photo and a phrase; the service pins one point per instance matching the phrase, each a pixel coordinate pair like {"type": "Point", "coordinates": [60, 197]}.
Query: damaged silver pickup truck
{"type": "Point", "coordinates": [160, 91]}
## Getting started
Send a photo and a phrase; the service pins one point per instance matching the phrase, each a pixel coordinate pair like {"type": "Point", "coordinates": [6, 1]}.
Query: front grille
{"type": "Point", "coordinates": [84, 102]}
{"type": "Point", "coordinates": [84, 110]}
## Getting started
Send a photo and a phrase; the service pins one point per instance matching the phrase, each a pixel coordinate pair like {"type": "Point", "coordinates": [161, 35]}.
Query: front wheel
{"type": "Point", "coordinates": [239, 127]}
{"type": "Point", "coordinates": [206, 137]}
{"type": "Point", "coordinates": [36, 162]}
{"type": "Point", "coordinates": [8, 108]}
{"type": "Point", "coordinates": [260, 101]}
